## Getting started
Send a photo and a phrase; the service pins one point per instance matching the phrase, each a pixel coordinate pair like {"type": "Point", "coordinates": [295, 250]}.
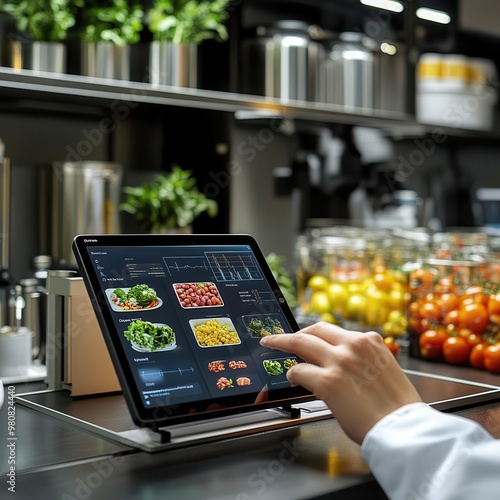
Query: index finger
{"type": "Point", "coordinates": [330, 333]}
{"type": "Point", "coordinates": [308, 347]}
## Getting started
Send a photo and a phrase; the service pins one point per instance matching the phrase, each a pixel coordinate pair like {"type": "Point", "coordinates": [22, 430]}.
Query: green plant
{"type": "Point", "coordinates": [44, 20]}
{"type": "Point", "coordinates": [115, 21]}
{"type": "Point", "coordinates": [283, 278]}
{"type": "Point", "coordinates": [168, 201]}
{"type": "Point", "coordinates": [188, 21]}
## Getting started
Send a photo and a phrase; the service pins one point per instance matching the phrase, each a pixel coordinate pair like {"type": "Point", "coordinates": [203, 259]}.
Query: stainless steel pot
{"type": "Point", "coordinates": [283, 61]}
{"type": "Point", "coordinates": [350, 71]}
{"type": "Point", "coordinates": [86, 196]}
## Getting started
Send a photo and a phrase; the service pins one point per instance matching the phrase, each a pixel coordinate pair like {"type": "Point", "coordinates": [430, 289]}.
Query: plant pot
{"type": "Point", "coordinates": [106, 60]}
{"type": "Point", "coordinates": [48, 56]}
{"type": "Point", "coordinates": [174, 64]}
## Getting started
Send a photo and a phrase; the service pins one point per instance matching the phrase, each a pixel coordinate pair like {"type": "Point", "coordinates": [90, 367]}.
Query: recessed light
{"type": "Point", "coordinates": [384, 4]}
{"type": "Point", "coordinates": [435, 16]}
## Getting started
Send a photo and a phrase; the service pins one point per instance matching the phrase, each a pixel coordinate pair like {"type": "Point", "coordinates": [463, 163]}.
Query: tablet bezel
{"type": "Point", "coordinates": [162, 416]}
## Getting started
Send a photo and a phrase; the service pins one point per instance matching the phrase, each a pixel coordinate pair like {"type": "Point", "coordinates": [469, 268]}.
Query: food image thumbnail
{"type": "Point", "coordinates": [224, 383]}
{"type": "Point", "coordinates": [198, 295]}
{"type": "Point", "coordinates": [288, 363]}
{"type": "Point", "coordinates": [273, 367]}
{"type": "Point", "coordinates": [216, 366]}
{"type": "Point", "coordinates": [263, 325]}
{"type": "Point", "coordinates": [234, 365]}
{"type": "Point", "coordinates": [243, 381]}
{"type": "Point", "coordinates": [214, 332]}
{"type": "Point", "coordinates": [137, 298]}
{"type": "Point", "coordinates": [150, 337]}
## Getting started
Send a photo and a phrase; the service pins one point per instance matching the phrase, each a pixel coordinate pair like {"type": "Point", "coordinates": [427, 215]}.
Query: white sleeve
{"type": "Point", "coordinates": [418, 453]}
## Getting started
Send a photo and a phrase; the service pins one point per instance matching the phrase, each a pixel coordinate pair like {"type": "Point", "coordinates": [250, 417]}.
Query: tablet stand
{"type": "Point", "coordinates": [165, 436]}
{"type": "Point", "coordinates": [108, 416]}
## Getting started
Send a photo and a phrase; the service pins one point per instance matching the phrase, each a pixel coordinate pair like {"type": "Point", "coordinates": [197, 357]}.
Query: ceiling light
{"type": "Point", "coordinates": [384, 4]}
{"type": "Point", "coordinates": [435, 16]}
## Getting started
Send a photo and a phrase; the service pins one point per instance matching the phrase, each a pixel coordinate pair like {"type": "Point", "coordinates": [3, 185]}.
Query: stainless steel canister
{"type": "Point", "coordinates": [284, 61]}
{"type": "Point", "coordinates": [34, 314]}
{"type": "Point", "coordinates": [350, 71]}
{"type": "Point", "coordinates": [86, 196]}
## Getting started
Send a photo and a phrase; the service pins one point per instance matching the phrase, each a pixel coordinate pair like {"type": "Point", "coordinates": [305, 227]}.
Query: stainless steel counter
{"type": "Point", "coordinates": [56, 459]}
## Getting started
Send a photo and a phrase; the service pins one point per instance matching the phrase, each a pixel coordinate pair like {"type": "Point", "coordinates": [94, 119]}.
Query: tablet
{"type": "Point", "coordinates": [182, 316]}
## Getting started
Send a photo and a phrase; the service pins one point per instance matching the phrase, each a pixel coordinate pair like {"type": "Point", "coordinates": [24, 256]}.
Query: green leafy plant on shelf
{"type": "Point", "coordinates": [168, 202]}
{"type": "Point", "coordinates": [188, 21]}
{"type": "Point", "coordinates": [115, 21]}
{"type": "Point", "coordinates": [43, 20]}
{"type": "Point", "coordinates": [283, 278]}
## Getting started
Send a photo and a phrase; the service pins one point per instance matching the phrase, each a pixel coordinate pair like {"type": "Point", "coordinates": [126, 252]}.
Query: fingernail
{"type": "Point", "coordinates": [263, 341]}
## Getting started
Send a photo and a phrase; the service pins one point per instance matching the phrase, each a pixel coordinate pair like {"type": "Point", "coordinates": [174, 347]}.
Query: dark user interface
{"type": "Point", "coordinates": [190, 319]}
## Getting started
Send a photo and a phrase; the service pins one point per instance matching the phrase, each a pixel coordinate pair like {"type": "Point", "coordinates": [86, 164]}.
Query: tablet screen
{"type": "Point", "coordinates": [182, 316]}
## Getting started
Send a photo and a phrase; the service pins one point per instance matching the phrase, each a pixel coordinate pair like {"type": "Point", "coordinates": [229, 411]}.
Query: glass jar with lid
{"type": "Point", "coordinates": [453, 298]}
{"type": "Point", "coordinates": [343, 277]}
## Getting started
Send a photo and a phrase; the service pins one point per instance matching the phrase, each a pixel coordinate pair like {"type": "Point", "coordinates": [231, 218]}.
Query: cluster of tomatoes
{"type": "Point", "coordinates": [455, 323]}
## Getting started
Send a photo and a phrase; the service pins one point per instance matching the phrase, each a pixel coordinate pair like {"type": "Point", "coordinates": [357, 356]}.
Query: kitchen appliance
{"type": "Point", "coordinates": [77, 358]}
{"type": "Point", "coordinates": [283, 60]}
{"type": "Point", "coordinates": [326, 169]}
{"type": "Point", "coordinates": [85, 199]}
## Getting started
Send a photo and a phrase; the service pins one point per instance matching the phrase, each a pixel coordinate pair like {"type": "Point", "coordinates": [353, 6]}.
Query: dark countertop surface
{"type": "Point", "coordinates": [56, 459]}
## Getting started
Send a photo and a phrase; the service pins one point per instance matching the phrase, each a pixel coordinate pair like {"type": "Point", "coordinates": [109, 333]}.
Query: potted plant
{"type": "Point", "coordinates": [168, 203]}
{"type": "Point", "coordinates": [46, 23]}
{"type": "Point", "coordinates": [178, 27]}
{"type": "Point", "coordinates": [108, 28]}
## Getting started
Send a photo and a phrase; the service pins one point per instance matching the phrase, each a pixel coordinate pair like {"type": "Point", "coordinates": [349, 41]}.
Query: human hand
{"type": "Point", "coordinates": [354, 373]}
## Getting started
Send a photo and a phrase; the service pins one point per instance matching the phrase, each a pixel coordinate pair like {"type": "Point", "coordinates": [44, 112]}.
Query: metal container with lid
{"type": "Point", "coordinates": [86, 199]}
{"type": "Point", "coordinates": [283, 60]}
{"type": "Point", "coordinates": [350, 71]}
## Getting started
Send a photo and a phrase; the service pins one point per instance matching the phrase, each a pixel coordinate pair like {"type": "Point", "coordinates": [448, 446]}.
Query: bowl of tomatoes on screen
{"type": "Point", "coordinates": [453, 319]}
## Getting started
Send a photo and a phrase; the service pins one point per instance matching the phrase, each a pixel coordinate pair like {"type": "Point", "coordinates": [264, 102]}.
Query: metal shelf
{"type": "Point", "coordinates": [73, 89]}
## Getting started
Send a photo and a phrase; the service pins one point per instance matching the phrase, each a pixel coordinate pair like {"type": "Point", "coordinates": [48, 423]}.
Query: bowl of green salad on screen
{"type": "Point", "coordinates": [136, 298]}
{"type": "Point", "coordinates": [145, 336]}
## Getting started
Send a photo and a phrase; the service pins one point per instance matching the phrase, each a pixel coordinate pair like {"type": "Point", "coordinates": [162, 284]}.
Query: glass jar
{"type": "Point", "coordinates": [455, 298]}
{"type": "Point", "coordinates": [344, 276]}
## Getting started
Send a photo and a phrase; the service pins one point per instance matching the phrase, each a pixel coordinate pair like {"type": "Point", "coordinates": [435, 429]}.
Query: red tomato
{"type": "Point", "coordinates": [392, 345]}
{"type": "Point", "coordinates": [452, 318]}
{"type": "Point", "coordinates": [475, 294]}
{"type": "Point", "coordinates": [430, 310]}
{"type": "Point", "coordinates": [421, 279]}
{"type": "Point", "coordinates": [476, 356]}
{"type": "Point", "coordinates": [431, 343]}
{"type": "Point", "coordinates": [474, 317]}
{"type": "Point", "coordinates": [414, 309]}
{"type": "Point", "coordinates": [474, 339]}
{"type": "Point", "coordinates": [456, 350]}
{"type": "Point", "coordinates": [492, 358]}
{"type": "Point", "coordinates": [449, 302]}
